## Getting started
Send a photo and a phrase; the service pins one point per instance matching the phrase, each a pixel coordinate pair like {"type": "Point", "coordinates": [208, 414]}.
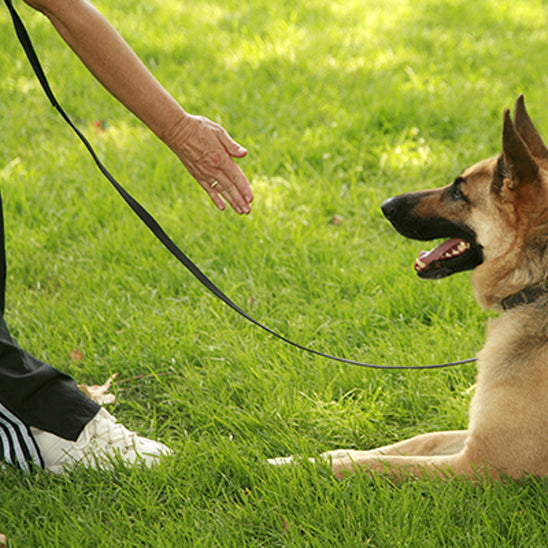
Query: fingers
{"type": "Point", "coordinates": [233, 184]}
{"type": "Point", "coordinates": [234, 189]}
{"type": "Point", "coordinates": [225, 180]}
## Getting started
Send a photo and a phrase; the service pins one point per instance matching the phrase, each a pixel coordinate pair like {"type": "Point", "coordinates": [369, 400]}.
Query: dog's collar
{"type": "Point", "coordinates": [526, 296]}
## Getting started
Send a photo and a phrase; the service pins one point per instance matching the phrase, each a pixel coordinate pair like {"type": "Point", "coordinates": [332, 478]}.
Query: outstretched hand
{"type": "Point", "coordinates": [207, 151]}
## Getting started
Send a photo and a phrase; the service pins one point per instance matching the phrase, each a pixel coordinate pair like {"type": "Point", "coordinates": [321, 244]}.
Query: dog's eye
{"type": "Point", "coordinates": [456, 193]}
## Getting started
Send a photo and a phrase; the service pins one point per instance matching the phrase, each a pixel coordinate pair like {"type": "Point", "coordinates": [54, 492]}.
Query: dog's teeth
{"type": "Point", "coordinates": [461, 248]}
{"type": "Point", "coordinates": [420, 264]}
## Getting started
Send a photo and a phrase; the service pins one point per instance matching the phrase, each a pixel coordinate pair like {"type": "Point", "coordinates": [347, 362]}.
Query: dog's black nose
{"type": "Point", "coordinates": [389, 208]}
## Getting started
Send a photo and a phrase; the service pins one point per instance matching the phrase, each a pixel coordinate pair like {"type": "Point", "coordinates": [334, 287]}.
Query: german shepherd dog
{"type": "Point", "coordinates": [495, 215]}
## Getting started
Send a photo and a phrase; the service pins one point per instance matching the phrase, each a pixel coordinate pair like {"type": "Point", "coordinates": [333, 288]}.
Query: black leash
{"type": "Point", "coordinates": [158, 231]}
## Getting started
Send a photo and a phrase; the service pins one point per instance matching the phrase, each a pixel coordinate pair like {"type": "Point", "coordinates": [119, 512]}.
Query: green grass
{"type": "Point", "coordinates": [341, 105]}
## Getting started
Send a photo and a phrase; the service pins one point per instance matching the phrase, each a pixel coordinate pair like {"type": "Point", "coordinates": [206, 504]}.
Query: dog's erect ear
{"type": "Point", "coordinates": [519, 160]}
{"type": "Point", "coordinates": [528, 131]}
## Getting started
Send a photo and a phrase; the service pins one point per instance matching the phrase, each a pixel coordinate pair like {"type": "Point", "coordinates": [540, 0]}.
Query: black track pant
{"type": "Point", "coordinates": [33, 393]}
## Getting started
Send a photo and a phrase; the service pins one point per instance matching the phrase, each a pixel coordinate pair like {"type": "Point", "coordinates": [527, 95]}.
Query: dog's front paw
{"type": "Point", "coordinates": [285, 461]}
{"type": "Point", "coordinates": [281, 461]}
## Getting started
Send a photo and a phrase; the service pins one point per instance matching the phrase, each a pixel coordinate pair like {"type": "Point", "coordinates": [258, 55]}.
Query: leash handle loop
{"type": "Point", "coordinates": [160, 233]}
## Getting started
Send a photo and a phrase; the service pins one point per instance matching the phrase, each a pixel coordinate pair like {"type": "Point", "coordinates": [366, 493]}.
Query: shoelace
{"type": "Point", "coordinates": [104, 431]}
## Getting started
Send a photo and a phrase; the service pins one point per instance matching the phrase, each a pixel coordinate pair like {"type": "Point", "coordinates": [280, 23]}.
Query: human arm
{"type": "Point", "coordinates": [205, 148]}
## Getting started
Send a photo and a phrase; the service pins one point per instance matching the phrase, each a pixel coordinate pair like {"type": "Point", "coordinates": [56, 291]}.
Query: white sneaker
{"type": "Point", "coordinates": [102, 443]}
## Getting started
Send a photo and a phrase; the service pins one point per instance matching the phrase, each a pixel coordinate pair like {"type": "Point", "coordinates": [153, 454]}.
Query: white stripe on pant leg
{"type": "Point", "coordinates": [5, 444]}
{"type": "Point", "coordinates": [30, 444]}
{"type": "Point", "coordinates": [13, 443]}
{"type": "Point", "coordinates": [24, 431]}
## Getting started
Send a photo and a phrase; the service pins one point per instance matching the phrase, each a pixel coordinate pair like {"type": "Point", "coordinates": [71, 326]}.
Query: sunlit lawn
{"type": "Point", "coordinates": [341, 105]}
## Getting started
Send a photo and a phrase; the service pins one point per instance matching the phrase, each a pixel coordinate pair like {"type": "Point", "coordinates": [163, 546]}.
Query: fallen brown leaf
{"type": "Point", "coordinates": [99, 393]}
{"type": "Point", "coordinates": [337, 220]}
{"type": "Point", "coordinates": [76, 355]}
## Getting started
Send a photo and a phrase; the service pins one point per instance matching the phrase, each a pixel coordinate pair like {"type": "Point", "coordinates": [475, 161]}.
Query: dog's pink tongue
{"type": "Point", "coordinates": [447, 249]}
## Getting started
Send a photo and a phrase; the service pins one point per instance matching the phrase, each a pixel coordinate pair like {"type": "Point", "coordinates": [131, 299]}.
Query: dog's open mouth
{"type": "Point", "coordinates": [451, 256]}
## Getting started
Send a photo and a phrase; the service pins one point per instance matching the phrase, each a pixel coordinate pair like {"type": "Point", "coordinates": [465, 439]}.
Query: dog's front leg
{"type": "Point", "coordinates": [436, 444]}
{"type": "Point", "coordinates": [400, 466]}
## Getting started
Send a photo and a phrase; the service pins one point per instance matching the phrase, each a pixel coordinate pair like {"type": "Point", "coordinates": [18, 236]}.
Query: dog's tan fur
{"type": "Point", "coordinates": [508, 422]}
